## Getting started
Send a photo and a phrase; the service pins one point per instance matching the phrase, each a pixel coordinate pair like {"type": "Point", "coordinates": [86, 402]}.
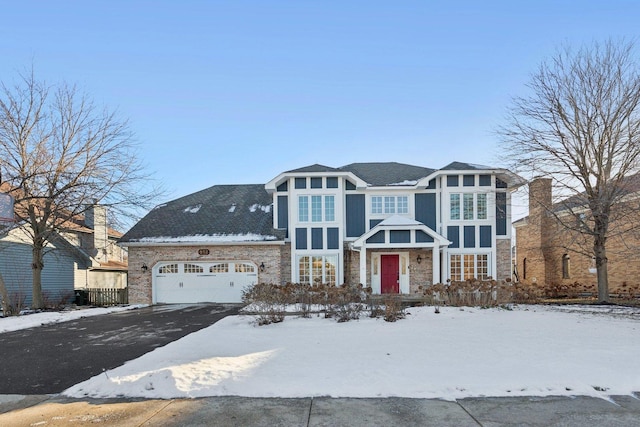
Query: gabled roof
{"type": "Point", "coordinates": [388, 173]}
{"type": "Point", "coordinates": [460, 166]}
{"type": "Point", "coordinates": [218, 214]}
{"type": "Point", "coordinates": [314, 168]}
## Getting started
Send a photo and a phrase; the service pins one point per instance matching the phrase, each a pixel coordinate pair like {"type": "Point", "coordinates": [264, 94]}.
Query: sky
{"type": "Point", "coordinates": [236, 91]}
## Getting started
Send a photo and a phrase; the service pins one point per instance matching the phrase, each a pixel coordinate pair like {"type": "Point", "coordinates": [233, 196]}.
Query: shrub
{"type": "Point", "coordinates": [393, 309]}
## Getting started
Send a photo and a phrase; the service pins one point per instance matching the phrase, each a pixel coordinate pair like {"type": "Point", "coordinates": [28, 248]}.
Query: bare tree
{"type": "Point", "coordinates": [581, 125]}
{"type": "Point", "coordinates": [60, 154]}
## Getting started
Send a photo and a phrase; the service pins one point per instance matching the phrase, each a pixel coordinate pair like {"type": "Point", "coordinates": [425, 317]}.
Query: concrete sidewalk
{"type": "Point", "coordinates": [16, 410]}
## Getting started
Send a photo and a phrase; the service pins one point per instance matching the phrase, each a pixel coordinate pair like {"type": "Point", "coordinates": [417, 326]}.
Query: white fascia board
{"type": "Point", "coordinates": [271, 186]}
{"type": "Point", "coordinates": [202, 243]}
{"type": "Point", "coordinates": [513, 180]}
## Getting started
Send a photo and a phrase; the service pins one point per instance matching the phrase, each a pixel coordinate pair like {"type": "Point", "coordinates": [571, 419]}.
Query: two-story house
{"type": "Point", "coordinates": [389, 226]}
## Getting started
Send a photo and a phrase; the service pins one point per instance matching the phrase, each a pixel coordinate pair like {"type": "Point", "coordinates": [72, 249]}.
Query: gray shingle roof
{"type": "Point", "coordinates": [314, 168]}
{"type": "Point", "coordinates": [227, 212]}
{"type": "Point", "coordinates": [389, 173]}
{"type": "Point", "coordinates": [460, 166]}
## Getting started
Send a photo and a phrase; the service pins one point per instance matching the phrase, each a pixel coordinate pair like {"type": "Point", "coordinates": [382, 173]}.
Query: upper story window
{"type": "Point", "coordinates": [318, 208]}
{"type": "Point", "coordinates": [389, 204]}
{"type": "Point", "coordinates": [474, 206]}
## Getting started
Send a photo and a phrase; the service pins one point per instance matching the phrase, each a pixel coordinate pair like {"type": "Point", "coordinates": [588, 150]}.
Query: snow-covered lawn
{"type": "Point", "coordinates": [461, 352]}
{"type": "Point", "coordinates": [15, 323]}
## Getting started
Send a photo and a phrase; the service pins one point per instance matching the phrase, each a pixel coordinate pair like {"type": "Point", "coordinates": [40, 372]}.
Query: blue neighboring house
{"type": "Point", "coordinates": [390, 226]}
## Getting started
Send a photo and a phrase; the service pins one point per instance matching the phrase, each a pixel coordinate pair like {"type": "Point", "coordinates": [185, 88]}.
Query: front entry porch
{"type": "Point", "coordinates": [398, 255]}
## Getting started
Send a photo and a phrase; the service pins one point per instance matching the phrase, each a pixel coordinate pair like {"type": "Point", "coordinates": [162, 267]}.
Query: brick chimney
{"type": "Point", "coordinates": [541, 228]}
{"type": "Point", "coordinates": [96, 218]}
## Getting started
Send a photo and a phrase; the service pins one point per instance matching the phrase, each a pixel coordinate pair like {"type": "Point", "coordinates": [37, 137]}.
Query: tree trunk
{"type": "Point", "coordinates": [37, 301]}
{"type": "Point", "coordinates": [602, 273]}
{"type": "Point", "coordinates": [6, 304]}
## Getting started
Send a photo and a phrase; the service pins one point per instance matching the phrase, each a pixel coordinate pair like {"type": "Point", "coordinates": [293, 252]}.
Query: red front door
{"type": "Point", "coordinates": [390, 269]}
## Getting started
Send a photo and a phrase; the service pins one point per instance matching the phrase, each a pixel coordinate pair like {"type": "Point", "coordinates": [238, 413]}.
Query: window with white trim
{"type": "Point", "coordinates": [472, 206]}
{"type": "Point", "coordinates": [168, 269]}
{"type": "Point", "coordinates": [322, 208]}
{"type": "Point", "coordinates": [219, 268]}
{"type": "Point", "coordinates": [389, 204]}
{"type": "Point", "coordinates": [193, 268]}
{"type": "Point", "coordinates": [317, 269]}
{"type": "Point", "coordinates": [244, 268]}
{"type": "Point", "coordinates": [469, 267]}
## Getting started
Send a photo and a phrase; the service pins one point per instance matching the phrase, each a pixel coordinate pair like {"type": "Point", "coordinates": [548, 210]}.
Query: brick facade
{"type": "Point", "coordinates": [555, 255]}
{"type": "Point", "coordinates": [140, 291]}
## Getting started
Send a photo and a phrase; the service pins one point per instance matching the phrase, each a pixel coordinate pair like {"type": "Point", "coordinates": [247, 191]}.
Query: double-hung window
{"type": "Point", "coordinates": [316, 208]}
{"type": "Point", "coordinates": [467, 206]}
{"type": "Point", "coordinates": [468, 267]}
{"type": "Point", "coordinates": [389, 204]}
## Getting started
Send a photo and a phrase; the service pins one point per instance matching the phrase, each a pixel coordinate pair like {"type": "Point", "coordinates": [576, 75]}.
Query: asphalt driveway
{"type": "Point", "coordinates": [51, 358]}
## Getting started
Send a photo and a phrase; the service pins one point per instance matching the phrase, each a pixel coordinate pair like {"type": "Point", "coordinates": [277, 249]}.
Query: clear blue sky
{"type": "Point", "coordinates": [222, 92]}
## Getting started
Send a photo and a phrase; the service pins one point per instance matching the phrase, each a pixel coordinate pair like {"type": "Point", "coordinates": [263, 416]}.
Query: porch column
{"type": "Point", "coordinates": [363, 266]}
{"type": "Point", "coordinates": [435, 257]}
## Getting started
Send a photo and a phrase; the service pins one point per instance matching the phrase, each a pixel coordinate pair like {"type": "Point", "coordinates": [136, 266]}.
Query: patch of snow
{"type": "Point", "coordinates": [399, 220]}
{"type": "Point", "coordinates": [210, 238]}
{"type": "Point", "coordinates": [458, 353]}
{"type": "Point", "coordinates": [232, 208]}
{"type": "Point", "coordinates": [159, 206]}
{"type": "Point", "coordinates": [192, 209]}
{"type": "Point", "coordinates": [15, 323]}
{"type": "Point", "coordinates": [406, 182]}
{"type": "Point", "coordinates": [257, 206]}
{"type": "Point", "coordinates": [477, 166]}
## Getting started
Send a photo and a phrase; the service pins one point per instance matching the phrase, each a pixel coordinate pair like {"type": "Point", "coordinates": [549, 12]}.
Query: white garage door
{"type": "Point", "coordinates": [193, 282]}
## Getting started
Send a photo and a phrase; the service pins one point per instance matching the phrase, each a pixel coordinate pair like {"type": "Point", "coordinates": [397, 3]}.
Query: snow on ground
{"type": "Point", "coordinates": [33, 320]}
{"type": "Point", "coordinates": [461, 352]}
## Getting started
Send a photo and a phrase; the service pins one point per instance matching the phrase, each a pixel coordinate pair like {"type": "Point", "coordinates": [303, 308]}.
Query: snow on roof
{"type": "Point", "coordinates": [263, 208]}
{"type": "Point", "coordinates": [192, 209]}
{"type": "Point", "coordinates": [202, 238]}
{"type": "Point", "coordinates": [399, 220]}
{"type": "Point", "coordinates": [406, 182]}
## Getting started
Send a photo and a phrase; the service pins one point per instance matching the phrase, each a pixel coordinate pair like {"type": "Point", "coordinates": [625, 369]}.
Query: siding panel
{"type": "Point", "coordinates": [426, 209]}
{"type": "Point", "coordinates": [453, 234]}
{"type": "Point", "coordinates": [469, 236]}
{"type": "Point", "coordinates": [355, 207]}
{"type": "Point", "coordinates": [301, 238]}
{"type": "Point", "coordinates": [501, 214]}
{"type": "Point", "coordinates": [316, 238]}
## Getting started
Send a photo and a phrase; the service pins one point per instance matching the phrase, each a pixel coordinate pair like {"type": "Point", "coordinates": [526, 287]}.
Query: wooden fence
{"type": "Point", "coordinates": [103, 297]}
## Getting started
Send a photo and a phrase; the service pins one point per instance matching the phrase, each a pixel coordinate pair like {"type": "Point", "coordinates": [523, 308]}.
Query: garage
{"type": "Point", "coordinates": [193, 282]}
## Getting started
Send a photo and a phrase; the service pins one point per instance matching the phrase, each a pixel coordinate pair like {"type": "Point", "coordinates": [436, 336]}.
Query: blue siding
{"type": "Point", "coordinates": [376, 238]}
{"type": "Point", "coordinates": [374, 222]}
{"type": "Point", "coordinates": [283, 212]}
{"type": "Point", "coordinates": [350, 185]}
{"type": "Point", "coordinates": [301, 238]}
{"type": "Point", "coordinates": [432, 184]}
{"type": "Point", "coordinates": [301, 183]}
{"type": "Point", "coordinates": [469, 236]}
{"type": "Point", "coordinates": [485, 180]}
{"type": "Point", "coordinates": [453, 234]}
{"type": "Point", "coordinates": [426, 209]}
{"type": "Point", "coordinates": [469, 180]}
{"type": "Point", "coordinates": [333, 238]}
{"type": "Point", "coordinates": [400, 236]}
{"type": "Point", "coordinates": [316, 182]}
{"type": "Point", "coordinates": [501, 214]}
{"type": "Point", "coordinates": [57, 274]}
{"type": "Point", "coordinates": [485, 236]}
{"type": "Point", "coordinates": [332, 182]}
{"type": "Point", "coordinates": [283, 187]}
{"type": "Point", "coordinates": [355, 208]}
{"type": "Point", "coordinates": [316, 238]}
{"type": "Point", "coordinates": [422, 237]}
{"type": "Point", "coordinates": [452, 180]}
{"type": "Point", "coordinates": [500, 183]}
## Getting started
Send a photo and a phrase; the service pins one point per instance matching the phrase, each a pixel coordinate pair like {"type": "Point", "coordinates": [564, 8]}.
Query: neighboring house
{"type": "Point", "coordinates": [389, 226]}
{"type": "Point", "coordinates": [84, 256]}
{"type": "Point", "coordinates": [549, 254]}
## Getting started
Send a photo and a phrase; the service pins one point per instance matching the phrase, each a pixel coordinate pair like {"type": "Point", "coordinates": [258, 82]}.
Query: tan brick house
{"type": "Point", "coordinates": [549, 253]}
{"type": "Point", "coordinates": [389, 226]}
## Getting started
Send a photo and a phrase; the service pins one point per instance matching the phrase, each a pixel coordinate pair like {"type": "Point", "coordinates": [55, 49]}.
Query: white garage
{"type": "Point", "coordinates": [177, 282]}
